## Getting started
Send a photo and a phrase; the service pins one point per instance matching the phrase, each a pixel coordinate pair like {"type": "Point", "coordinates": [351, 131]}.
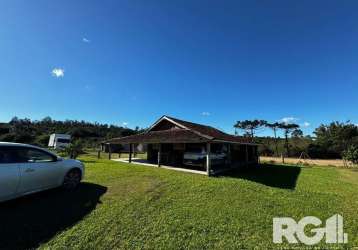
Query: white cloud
{"type": "Point", "coordinates": [85, 40]}
{"type": "Point", "coordinates": [306, 124]}
{"type": "Point", "coordinates": [58, 72]}
{"type": "Point", "coordinates": [205, 113]}
{"type": "Point", "coordinates": [289, 119]}
{"type": "Point", "coordinates": [125, 124]}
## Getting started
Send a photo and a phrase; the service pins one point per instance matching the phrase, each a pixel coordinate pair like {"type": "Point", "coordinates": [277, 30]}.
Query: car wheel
{"type": "Point", "coordinates": [72, 179]}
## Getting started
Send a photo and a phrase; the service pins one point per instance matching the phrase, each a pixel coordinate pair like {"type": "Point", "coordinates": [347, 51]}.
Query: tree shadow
{"type": "Point", "coordinates": [28, 221]}
{"type": "Point", "coordinates": [279, 176]}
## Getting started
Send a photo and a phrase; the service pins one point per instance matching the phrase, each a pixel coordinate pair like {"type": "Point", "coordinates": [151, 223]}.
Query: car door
{"type": "Point", "coordinates": [9, 174]}
{"type": "Point", "coordinates": [40, 170]}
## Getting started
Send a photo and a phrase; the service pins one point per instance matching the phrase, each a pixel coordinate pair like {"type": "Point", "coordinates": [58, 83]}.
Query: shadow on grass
{"type": "Point", "coordinates": [280, 176]}
{"type": "Point", "coordinates": [28, 221]}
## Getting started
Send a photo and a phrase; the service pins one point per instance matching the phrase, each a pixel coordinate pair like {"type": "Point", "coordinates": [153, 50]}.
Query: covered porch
{"type": "Point", "coordinates": [186, 151]}
{"type": "Point", "coordinates": [145, 162]}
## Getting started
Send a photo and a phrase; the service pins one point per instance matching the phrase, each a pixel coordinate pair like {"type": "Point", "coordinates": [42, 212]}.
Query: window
{"type": "Point", "coordinates": [24, 155]}
{"type": "Point", "coordinates": [61, 140]}
{"type": "Point", "coordinates": [12, 155]}
{"type": "Point", "coordinates": [34, 155]}
{"type": "Point", "coordinates": [6, 155]}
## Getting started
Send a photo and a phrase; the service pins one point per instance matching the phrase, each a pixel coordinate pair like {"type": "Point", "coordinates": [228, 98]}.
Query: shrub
{"type": "Point", "coordinates": [351, 154]}
{"type": "Point", "coordinates": [42, 140]}
{"type": "Point", "coordinates": [74, 149]}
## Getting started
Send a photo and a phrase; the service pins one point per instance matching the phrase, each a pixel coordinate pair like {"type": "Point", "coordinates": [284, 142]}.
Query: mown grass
{"type": "Point", "coordinates": [123, 206]}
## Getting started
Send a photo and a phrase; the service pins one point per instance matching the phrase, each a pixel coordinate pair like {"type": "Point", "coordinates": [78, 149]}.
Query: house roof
{"type": "Point", "coordinates": [187, 132]}
{"type": "Point", "coordinates": [163, 136]}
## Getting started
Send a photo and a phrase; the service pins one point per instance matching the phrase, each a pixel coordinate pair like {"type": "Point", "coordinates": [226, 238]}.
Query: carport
{"type": "Point", "coordinates": [168, 139]}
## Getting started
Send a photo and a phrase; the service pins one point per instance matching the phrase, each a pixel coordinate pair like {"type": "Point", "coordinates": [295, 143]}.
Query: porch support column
{"type": "Point", "coordinates": [159, 153]}
{"type": "Point", "coordinates": [109, 151]}
{"type": "Point", "coordinates": [246, 155]}
{"type": "Point", "coordinates": [130, 153]}
{"type": "Point", "coordinates": [208, 158]}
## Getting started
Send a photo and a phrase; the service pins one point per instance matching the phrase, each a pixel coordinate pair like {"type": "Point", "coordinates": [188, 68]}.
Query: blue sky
{"type": "Point", "coordinates": [212, 62]}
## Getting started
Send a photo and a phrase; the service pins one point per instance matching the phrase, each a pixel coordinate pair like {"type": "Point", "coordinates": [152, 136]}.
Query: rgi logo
{"type": "Point", "coordinates": [288, 228]}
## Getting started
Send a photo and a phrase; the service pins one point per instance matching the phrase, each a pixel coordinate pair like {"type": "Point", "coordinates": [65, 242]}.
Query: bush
{"type": "Point", "coordinates": [74, 149]}
{"type": "Point", "coordinates": [351, 154]}
{"type": "Point", "coordinates": [42, 140]}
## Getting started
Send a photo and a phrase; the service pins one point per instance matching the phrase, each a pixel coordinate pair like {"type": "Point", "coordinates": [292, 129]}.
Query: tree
{"type": "Point", "coordinates": [38, 131]}
{"type": "Point", "coordinates": [250, 126]}
{"type": "Point", "coordinates": [297, 133]}
{"type": "Point", "coordinates": [74, 149]}
{"type": "Point", "coordinates": [336, 137]}
{"type": "Point", "coordinates": [351, 154]}
{"type": "Point", "coordinates": [274, 127]}
{"type": "Point", "coordinates": [288, 128]}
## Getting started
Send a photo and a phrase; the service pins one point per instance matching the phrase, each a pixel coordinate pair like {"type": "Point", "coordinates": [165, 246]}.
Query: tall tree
{"type": "Point", "coordinates": [288, 128]}
{"type": "Point", "coordinates": [297, 133]}
{"type": "Point", "coordinates": [274, 126]}
{"type": "Point", "coordinates": [250, 126]}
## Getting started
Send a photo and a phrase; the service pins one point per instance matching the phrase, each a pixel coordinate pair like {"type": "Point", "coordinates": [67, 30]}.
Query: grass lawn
{"type": "Point", "coordinates": [130, 207]}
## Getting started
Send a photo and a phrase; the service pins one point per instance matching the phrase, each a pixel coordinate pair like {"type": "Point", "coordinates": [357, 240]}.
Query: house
{"type": "Point", "coordinates": [174, 142]}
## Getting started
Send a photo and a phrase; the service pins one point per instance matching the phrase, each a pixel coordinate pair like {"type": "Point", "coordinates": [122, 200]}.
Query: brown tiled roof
{"type": "Point", "coordinates": [193, 133]}
{"type": "Point", "coordinates": [163, 136]}
{"type": "Point", "coordinates": [214, 133]}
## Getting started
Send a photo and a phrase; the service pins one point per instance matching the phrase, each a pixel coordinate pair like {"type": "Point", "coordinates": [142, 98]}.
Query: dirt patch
{"type": "Point", "coordinates": [318, 162]}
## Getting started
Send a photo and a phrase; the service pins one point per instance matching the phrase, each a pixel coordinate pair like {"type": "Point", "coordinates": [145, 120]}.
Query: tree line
{"type": "Point", "coordinates": [38, 132]}
{"type": "Point", "coordinates": [333, 140]}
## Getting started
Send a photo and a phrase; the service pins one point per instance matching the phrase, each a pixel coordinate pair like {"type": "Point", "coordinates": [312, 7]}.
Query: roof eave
{"type": "Point", "coordinates": [235, 142]}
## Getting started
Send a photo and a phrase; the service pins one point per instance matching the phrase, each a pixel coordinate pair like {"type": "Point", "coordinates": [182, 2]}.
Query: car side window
{"type": "Point", "coordinates": [24, 155]}
{"type": "Point", "coordinates": [5, 155]}
{"type": "Point", "coordinates": [11, 155]}
{"type": "Point", "coordinates": [34, 155]}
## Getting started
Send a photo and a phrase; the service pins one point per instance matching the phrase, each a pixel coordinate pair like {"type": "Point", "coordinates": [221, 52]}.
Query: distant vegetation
{"type": "Point", "coordinates": [331, 141]}
{"type": "Point", "coordinates": [38, 132]}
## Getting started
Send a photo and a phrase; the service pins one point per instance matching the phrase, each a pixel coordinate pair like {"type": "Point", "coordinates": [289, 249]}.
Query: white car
{"type": "Point", "coordinates": [26, 169]}
{"type": "Point", "coordinates": [196, 156]}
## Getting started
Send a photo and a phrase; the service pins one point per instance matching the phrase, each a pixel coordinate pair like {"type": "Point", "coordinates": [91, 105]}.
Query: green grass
{"type": "Point", "coordinates": [127, 206]}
